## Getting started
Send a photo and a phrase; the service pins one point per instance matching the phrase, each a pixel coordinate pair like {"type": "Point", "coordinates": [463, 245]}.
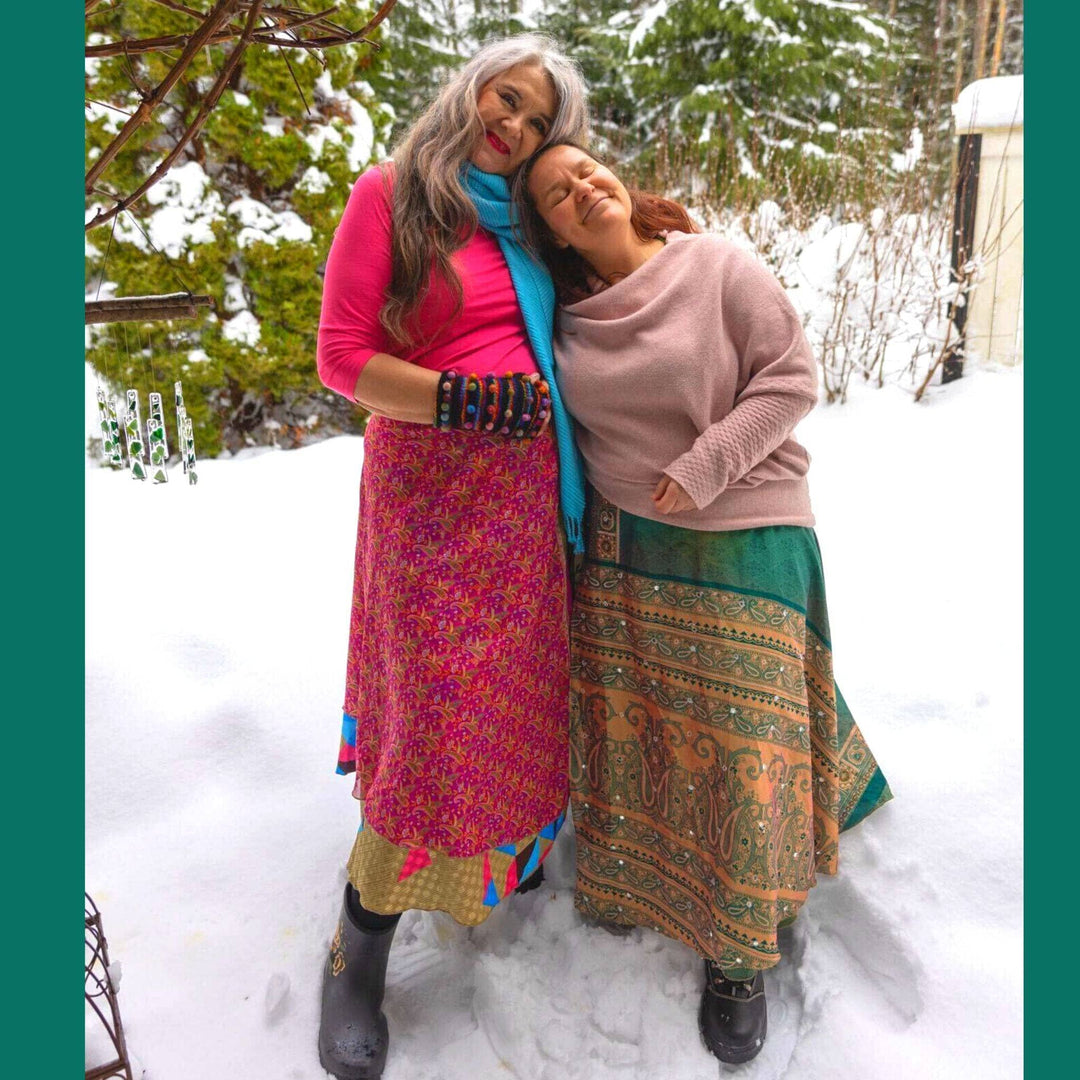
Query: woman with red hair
{"type": "Point", "coordinates": [714, 762]}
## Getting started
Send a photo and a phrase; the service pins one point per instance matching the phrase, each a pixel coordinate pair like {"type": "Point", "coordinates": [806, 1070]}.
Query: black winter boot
{"type": "Point", "coordinates": [353, 1038]}
{"type": "Point", "coordinates": [733, 1018]}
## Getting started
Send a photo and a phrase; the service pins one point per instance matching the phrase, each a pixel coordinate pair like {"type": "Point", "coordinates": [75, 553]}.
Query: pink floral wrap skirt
{"type": "Point", "coordinates": [457, 688]}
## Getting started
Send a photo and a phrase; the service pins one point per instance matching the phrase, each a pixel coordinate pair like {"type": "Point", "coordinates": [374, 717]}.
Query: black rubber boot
{"type": "Point", "coordinates": [733, 1018]}
{"type": "Point", "coordinates": [353, 1038]}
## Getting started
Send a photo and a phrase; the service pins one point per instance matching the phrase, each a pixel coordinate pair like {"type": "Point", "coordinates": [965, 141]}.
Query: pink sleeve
{"type": "Point", "coordinates": [357, 275]}
{"type": "Point", "coordinates": [778, 379]}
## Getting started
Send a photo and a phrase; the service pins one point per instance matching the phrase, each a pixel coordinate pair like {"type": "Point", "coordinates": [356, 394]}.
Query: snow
{"type": "Point", "coordinates": [649, 18]}
{"type": "Point", "coordinates": [260, 224]}
{"type": "Point", "coordinates": [990, 103]}
{"type": "Point", "coordinates": [114, 118]}
{"type": "Point", "coordinates": [912, 154]}
{"type": "Point", "coordinates": [314, 181]}
{"type": "Point", "coordinates": [243, 327]}
{"type": "Point", "coordinates": [234, 299]}
{"type": "Point", "coordinates": [187, 208]}
{"type": "Point", "coordinates": [360, 130]}
{"type": "Point", "coordinates": [216, 829]}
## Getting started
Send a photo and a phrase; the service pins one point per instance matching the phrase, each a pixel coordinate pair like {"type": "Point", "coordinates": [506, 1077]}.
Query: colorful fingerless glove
{"type": "Point", "coordinates": [510, 404]}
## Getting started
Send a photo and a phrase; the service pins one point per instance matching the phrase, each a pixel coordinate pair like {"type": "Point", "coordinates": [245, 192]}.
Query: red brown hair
{"type": "Point", "coordinates": [650, 215]}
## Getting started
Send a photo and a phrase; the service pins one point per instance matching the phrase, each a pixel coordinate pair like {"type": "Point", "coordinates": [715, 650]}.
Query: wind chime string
{"type": "Point", "coordinates": [185, 435]}
{"type": "Point", "coordinates": [164, 258]}
{"type": "Point", "coordinates": [155, 425]}
{"type": "Point", "coordinates": [108, 421]}
{"type": "Point", "coordinates": [155, 437]}
{"type": "Point", "coordinates": [133, 421]}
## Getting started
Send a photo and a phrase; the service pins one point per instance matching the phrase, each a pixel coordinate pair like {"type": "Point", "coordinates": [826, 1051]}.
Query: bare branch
{"type": "Point", "coordinates": [285, 19]}
{"type": "Point", "coordinates": [216, 27]}
{"type": "Point", "coordinates": [205, 109]}
{"type": "Point", "coordinates": [221, 12]}
{"type": "Point", "coordinates": [172, 5]}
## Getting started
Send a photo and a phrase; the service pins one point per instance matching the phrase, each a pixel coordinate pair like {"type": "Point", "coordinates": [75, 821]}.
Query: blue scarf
{"type": "Point", "coordinates": [536, 298]}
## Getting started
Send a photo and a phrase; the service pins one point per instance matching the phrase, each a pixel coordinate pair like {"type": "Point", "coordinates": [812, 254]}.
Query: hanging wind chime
{"type": "Point", "coordinates": [146, 457]}
{"type": "Point", "coordinates": [146, 450]}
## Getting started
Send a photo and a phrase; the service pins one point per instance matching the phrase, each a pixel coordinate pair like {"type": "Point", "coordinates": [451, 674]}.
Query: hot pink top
{"type": "Point", "coordinates": [488, 336]}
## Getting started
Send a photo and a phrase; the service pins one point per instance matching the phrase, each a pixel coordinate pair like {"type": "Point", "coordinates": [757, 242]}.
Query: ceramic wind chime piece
{"type": "Point", "coordinates": [110, 430]}
{"type": "Point", "coordinates": [181, 416]}
{"type": "Point", "coordinates": [185, 433]}
{"type": "Point", "coordinates": [187, 450]}
{"type": "Point", "coordinates": [133, 432]}
{"type": "Point", "coordinates": [117, 459]}
{"type": "Point", "coordinates": [159, 448]}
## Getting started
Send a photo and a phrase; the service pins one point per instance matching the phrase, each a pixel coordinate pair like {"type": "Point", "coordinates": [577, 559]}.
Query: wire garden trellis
{"type": "Point", "coordinates": [101, 990]}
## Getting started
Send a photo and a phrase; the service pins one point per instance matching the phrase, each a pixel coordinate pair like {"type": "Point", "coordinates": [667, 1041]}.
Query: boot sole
{"type": "Point", "coordinates": [731, 1055]}
{"type": "Point", "coordinates": [336, 1069]}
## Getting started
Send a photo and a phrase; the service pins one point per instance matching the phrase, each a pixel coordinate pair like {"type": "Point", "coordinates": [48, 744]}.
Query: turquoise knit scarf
{"type": "Point", "coordinates": [536, 298]}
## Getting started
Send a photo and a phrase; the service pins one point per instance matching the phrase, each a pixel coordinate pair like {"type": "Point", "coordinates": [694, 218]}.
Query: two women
{"type": "Point", "coordinates": [711, 758]}
{"type": "Point", "coordinates": [713, 761]}
{"type": "Point", "coordinates": [437, 322]}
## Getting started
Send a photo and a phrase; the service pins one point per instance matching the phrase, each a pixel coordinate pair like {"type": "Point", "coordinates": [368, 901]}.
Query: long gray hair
{"type": "Point", "coordinates": [433, 215]}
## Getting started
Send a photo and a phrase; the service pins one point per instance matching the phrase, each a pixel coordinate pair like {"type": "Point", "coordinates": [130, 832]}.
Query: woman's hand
{"type": "Point", "coordinates": [670, 497]}
{"type": "Point", "coordinates": [534, 379]}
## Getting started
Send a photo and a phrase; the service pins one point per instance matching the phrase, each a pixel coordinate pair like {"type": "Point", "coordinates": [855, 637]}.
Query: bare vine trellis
{"type": "Point", "coordinates": [264, 24]}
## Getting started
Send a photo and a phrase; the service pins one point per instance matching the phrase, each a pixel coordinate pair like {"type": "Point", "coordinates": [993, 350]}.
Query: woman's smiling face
{"type": "Point", "coordinates": [579, 199]}
{"type": "Point", "coordinates": [517, 108]}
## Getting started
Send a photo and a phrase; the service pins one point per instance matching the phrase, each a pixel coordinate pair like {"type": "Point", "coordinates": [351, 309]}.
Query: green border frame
{"type": "Point", "coordinates": [1050, 215]}
{"type": "Point", "coordinates": [44, 811]}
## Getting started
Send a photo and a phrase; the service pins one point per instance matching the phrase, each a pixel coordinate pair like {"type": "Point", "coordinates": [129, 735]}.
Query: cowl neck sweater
{"type": "Point", "coordinates": [695, 365]}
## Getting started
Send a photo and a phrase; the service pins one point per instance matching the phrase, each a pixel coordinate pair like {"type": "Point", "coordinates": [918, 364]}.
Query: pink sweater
{"type": "Point", "coordinates": [488, 335]}
{"type": "Point", "coordinates": [695, 366]}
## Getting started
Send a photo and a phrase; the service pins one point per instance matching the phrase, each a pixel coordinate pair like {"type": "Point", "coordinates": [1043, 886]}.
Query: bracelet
{"type": "Point", "coordinates": [511, 405]}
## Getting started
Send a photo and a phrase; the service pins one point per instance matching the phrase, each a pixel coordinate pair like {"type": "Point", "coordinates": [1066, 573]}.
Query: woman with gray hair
{"type": "Point", "coordinates": [436, 321]}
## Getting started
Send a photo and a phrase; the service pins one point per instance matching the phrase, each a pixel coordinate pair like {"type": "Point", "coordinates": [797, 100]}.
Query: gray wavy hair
{"type": "Point", "coordinates": [433, 215]}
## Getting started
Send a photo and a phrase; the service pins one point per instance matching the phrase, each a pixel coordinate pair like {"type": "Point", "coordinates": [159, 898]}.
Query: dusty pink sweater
{"type": "Point", "coordinates": [695, 366]}
{"type": "Point", "coordinates": [488, 335]}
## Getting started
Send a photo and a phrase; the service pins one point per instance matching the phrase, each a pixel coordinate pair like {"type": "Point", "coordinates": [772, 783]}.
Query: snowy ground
{"type": "Point", "coordinates": [216, 829]}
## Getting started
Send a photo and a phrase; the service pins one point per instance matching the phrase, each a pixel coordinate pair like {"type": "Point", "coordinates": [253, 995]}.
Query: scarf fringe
{"type": "Point", "coordinates": [573, 531]}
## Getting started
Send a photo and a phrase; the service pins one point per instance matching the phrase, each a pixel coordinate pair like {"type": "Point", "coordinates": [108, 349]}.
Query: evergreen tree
{"type": "Point", "coordinates": [756, 81]}
{"type": "Point", "coordinates": [246, 215]}
{"type": "Point", "coordinates": [498, 19]}
{"type": "Point", "coordinates": [424, 41]}
{"type": "Point", "coordinates": [938, 43]}
{"type": "Point", "coordinates": [594, 33]}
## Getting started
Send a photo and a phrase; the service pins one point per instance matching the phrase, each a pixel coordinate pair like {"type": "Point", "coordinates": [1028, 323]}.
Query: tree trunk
{"type": "Point", "coordinates": [999, 36]}
{"type": "Point", "coordinates": [958, 62]}
{"type": "Point", "coordinates": [982, 31]}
